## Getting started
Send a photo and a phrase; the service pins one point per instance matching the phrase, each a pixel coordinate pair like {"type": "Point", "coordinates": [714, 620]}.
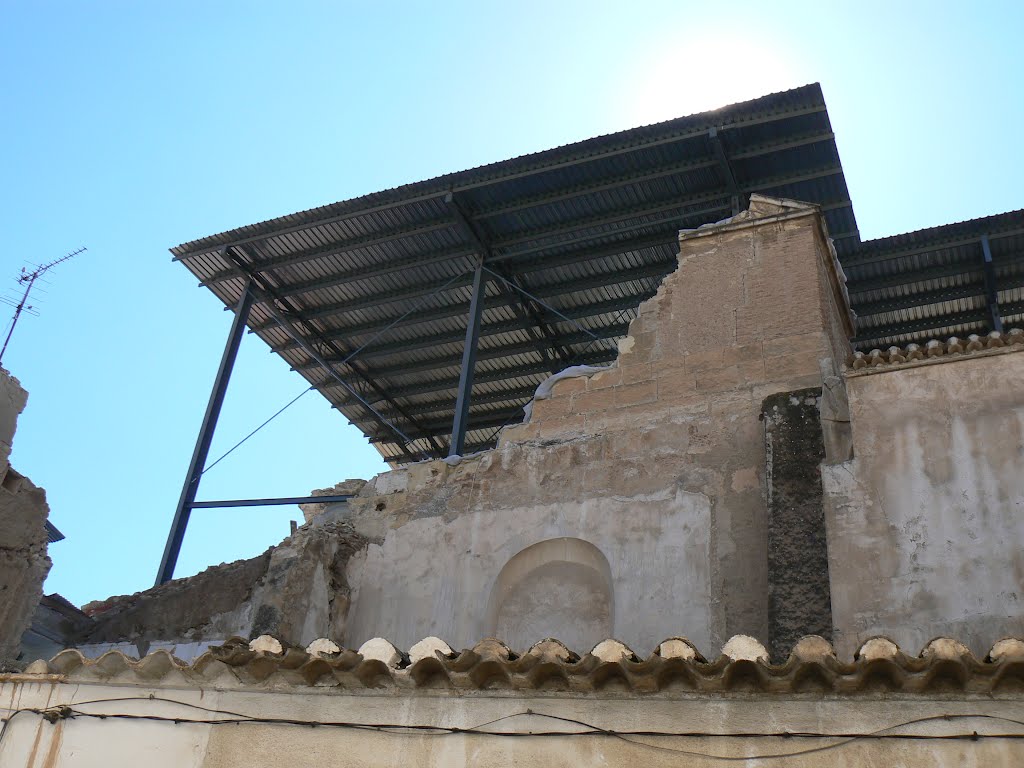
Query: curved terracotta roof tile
{"type": "Point", "coordinates": [944, 664]}
{"type": "Point", "coordinates": [934, 349]}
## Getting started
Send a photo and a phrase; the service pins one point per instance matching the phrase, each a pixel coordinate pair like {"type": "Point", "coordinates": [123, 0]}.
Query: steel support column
{"type": "Point", "coordinates": [199, 455]}
{"type": "Point", "coordinates": [737, 199]}
{"type": "Point", "coordinates": [991, 294]}
{"type": "Point", "coordinates": [476, 309]}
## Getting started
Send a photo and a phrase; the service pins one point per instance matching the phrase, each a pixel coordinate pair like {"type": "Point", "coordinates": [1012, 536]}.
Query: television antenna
{"type": "Point", "coordinates": [28, 279]}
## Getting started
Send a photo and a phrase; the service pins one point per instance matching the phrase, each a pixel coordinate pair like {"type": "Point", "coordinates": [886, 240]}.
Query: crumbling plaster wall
{"type": "Point", "coordinates": [926, 522]}
{"type": "Point", "coordinates": [657, 462]}
{"type": "Point", "coordinates": [296, 590]}
{"type": "Point", "coordinates": [23, 541]}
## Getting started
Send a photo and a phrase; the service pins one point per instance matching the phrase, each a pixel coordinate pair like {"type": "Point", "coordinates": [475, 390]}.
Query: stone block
{"type": "Point", "coordinates": [551, 408]}
{"type": "Point", "coordinates": [676, 384]}
{"type": "Point", "coordinates": [563, 426]}
{"type": "Point", "coordinates": [605, 379]}
{"type": "Point", "coordinates": [812, 343]}
{"type": "Point", "coordinates": [631, 374]}
{"type": "Point", "coordinates": [518, 433]}
{"type": "Point", "coordinates": [594, 401]}
{"type": "Point", "coordinates": [720, 380]}
{"type": "Point", "coordinates": [565, 387]}
{"type": "Point", "coordinates": [635, 394]}
{"type": "Point", "coordinates": [707, 360]}
{"type": "Point", "coordinates": [637, 349]}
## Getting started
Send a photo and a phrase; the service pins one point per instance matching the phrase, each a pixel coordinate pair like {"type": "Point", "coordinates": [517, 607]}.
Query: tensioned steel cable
{"type": "Point", "coordinates": [350, 356]}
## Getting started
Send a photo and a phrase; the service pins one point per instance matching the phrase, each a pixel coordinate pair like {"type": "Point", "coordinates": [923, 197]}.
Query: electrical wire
{"type": "Point", "coordinates": [69, 712]}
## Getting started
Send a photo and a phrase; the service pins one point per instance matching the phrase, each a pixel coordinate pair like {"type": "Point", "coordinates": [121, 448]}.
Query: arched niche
{"type": "Point", "coordinates": [559, 588]}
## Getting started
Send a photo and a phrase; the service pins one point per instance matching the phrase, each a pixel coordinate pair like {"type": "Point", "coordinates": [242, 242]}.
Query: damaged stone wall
{"type": "Point", "coordinates": [657, 462]}
{"type": "Point", "coordinates": [296, 590]}
{"type": "Point", "coordinates": [926, 521]}
{"type": "Point", "coordinates": [23, 540]}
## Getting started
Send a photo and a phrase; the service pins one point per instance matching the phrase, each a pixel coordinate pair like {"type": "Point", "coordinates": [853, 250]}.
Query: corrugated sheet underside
{"type": "Point", "coordinates": [931, 284]}
{"type": "Point", "coordinates": [589, 230]}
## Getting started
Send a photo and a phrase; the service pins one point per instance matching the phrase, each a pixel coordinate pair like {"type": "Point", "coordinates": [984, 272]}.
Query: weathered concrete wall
{"type": "Point", "coordinates": [942, 735]}
{"type": "Point", "coordinates": [657, 463]}
{"type": "Point", "coordinates": [23, 511]}
{"type": "Point", "coordinates": [926, 522]}
{"type": "Point", "coordinates": [798, 586]}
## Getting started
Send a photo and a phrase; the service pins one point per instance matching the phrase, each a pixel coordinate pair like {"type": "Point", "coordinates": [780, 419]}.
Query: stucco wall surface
{"type": "Point", "coordinates": [84, 742]}
{"type": "Point", "coordinates": [926, 522]}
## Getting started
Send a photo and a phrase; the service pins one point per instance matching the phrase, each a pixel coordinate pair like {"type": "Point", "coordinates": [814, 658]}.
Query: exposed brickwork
{"type": "Point", "coordinates": [752, 307]}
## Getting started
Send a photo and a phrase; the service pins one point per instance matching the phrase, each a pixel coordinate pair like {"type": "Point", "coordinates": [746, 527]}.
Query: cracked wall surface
{"type": "Point", "coordinates": [23, 541]}
{"type": "Point", "coordinates": [926, 521]}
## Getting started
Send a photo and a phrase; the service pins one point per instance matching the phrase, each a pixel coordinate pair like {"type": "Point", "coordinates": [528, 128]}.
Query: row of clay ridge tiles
{"type": "Point", "coordinates": [944, 665]}
{"type": "Point", "coordinates": [935, 348]}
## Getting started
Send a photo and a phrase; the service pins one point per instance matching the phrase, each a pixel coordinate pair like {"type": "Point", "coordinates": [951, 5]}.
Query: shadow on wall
{"type": "Point", "coordinates": [558, 588]}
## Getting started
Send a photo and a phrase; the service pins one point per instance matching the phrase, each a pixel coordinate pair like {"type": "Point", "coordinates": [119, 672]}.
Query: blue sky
{"type": "Point", "coordinates": [131, 127]}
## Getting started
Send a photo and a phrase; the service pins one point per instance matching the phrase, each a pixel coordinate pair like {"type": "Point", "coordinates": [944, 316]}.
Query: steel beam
{"type": "Point", "coordinates": [517, 348]}
{"type": "Point", "coordinates": [531, 319]}
{"type": "Point", "coordinates": [486, 420]}
{"type": "Point", "coordinates": [270, 305]}
{"type": "Point", "coordinates": [500, 396]}
{"type": "Point", "coordinates": [393, 203]}
{"type": "Point", "coordinates": [874, 253]}
{"type": "Point", "coordinates": [668, 238]}
{"type": "Point", "coordinates": [736, 196]}
{"type": "Point", "coordinates": [447, 384]}
{"type": "Point", "coordinates": [922, 299]}
{"type": "Point", "coordinates": [489, 329]}
{"type": "Point", "coordinates": [398, 295]}
{"type": "Point", "coordinates": [612, 277]}
{"type": "Point", "coordinates": [920, 326]}
{"type": "Point", "coordinates": [271, 502]}
{"type": "Point", "coordinates": [991, 292]}
{"type": "Point", "coordinates": [195, 468]}
{"type": "Point", "coordinates": [341, 248]}
{"type": "Point", "coordinates": [476, 309]}
{"type": "Point", "coordinates": [625, 180]}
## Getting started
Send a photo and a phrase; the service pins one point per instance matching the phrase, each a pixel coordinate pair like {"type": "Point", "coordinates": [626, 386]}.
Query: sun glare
{"type": "Point", "coordinates": [702, 73]}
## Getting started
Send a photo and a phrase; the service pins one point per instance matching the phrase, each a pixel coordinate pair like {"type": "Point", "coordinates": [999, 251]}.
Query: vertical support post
{"type": "Point", "coordinates": [991, 296]}
{"type": "Point", "coordinates": [476, 309]}
{"type": "Point", "coordinates": [737, 199]}
{"type": "Point", "coordinates": [199, 455]}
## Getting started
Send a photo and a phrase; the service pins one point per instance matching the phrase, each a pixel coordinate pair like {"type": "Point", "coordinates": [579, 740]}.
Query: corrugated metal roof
{"type": "Point", "coordinates": [931, 283]}
{"type": "Point", "coordinates": [589, 229]}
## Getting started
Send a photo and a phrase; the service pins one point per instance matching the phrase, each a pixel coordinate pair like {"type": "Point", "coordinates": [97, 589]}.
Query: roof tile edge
{"type": "Point", "coordinates": [879, 665]}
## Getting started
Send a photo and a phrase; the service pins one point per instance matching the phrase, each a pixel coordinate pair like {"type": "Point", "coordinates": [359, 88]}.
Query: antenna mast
{"type": "Point", "coordinates": [28, 279]}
